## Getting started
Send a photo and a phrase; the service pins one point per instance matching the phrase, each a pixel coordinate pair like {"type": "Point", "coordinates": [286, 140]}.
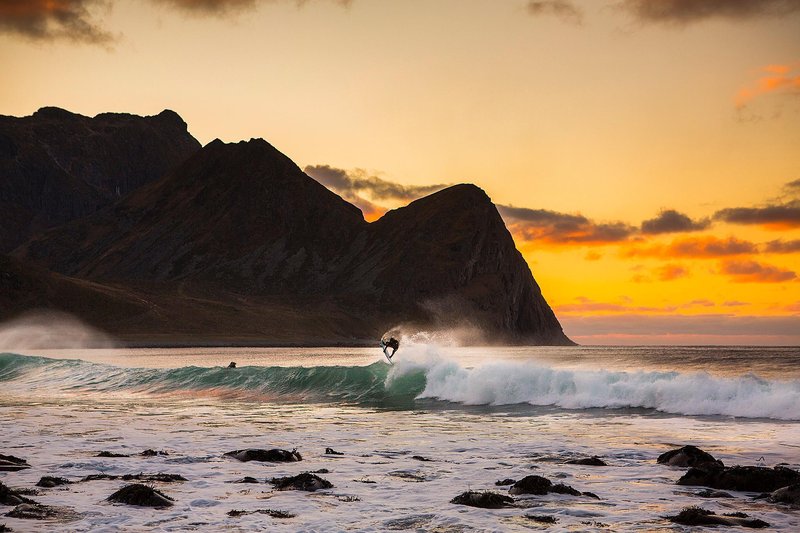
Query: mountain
{"type": "Point", "coordinates": [239, 228]}
{"type": "Point", "coordinates": [57, 166]}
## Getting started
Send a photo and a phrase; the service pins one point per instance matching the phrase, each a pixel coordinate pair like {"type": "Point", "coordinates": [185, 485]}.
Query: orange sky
{"type": "Point", "coordinates": [646, 159]}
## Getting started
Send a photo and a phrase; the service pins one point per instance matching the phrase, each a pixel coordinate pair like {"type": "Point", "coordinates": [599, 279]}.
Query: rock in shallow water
{"type": "Point", "coordinates": [790, 495]}
{"type": "Point", "coordinates": [142, 496]}
{"type": "Point", "coordinates": [36, 511]}
{"type": "Point", "coordinates": [9, 496]}
{"type": "Point", "coordinates": [9, 463]}
{"type": "Point", "coordinates": [742, 478]}
{"type": "Point", "coordinates": [695, 516]}
{"type": "Point", "coordinates": [268, 456]}
{"type": "Point", "coordinates": [306, 481]}
{"type": "Point", "coordinates": [688, 456]}
{"type": "Point", "coordinates": [484, 500]}
{"type": "Point", "coordinates": [537, 485]}
{"type": "Point", "coordinates": [50, 481]}
{"type": "Point", "coordinates": [587, 461]}
{"type": "Point", "coordinates": [105, 453]}
{"type": "Point", "coordinates": [271, 512]}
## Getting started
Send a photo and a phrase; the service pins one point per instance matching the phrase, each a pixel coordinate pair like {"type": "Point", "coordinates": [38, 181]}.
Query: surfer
{"type": "Point", "coordinates": [232, 365]}
{"type": "Point", "coordinates": [392, 343]}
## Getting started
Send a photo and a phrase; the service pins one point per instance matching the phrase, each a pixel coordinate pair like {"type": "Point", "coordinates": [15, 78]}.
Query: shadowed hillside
{"type": "Point", "coordinates": [238, 245]}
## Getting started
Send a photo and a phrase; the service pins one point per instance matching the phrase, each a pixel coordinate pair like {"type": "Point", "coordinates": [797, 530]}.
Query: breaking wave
{"type": "Point", "coordinates": [432, 378]}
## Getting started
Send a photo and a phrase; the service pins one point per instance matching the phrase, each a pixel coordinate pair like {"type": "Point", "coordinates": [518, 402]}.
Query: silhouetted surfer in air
{"type": "Point", "coordinates": [392, 343]}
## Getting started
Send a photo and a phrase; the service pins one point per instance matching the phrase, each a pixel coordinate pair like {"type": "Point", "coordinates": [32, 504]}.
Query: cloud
{"type": "Point", "coordinates": [684, 12]}
{"type": "Point", "coordinates": [782, 79]}
{"type": "Point", "coordinates": [672, 272]}
{"type": "Point", "coordinates": [545, 226]}
{"type": "Point", "coordinates": [671, 221]}
{"type": "Point", "coordinates": [754, 272]}
{"type": "Point", "coordinates": [583, 305]}
{"type": "Point", "coordinates": [562, 9]}
{"type": "Point", "coordinates": [673, 328]}
{"type": "Point", "coordinates": [224, 7]}
{"type": "Point", "coordinates": [782, 247]}
{"type": "Point", "coordinates": [75, 20]}
{"type": "Point", "coordinates": [47, 20]}
{"type": "Point", "coordinates": [696, 247]}
{"type": "Point", "coordinates": [734, 303]}
{"type": "Point", "coordinates": [793, 186]}
{"type": "Point", "coordinates": [209, 6]}
{"type": "Point", "coordinates": [778, 216]}
{"type": "Point", "coordinates": [358, 181]}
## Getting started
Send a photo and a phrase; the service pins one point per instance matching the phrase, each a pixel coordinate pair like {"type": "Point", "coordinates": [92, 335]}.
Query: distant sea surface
{"type": "Point", "coordinates": [476, 415]}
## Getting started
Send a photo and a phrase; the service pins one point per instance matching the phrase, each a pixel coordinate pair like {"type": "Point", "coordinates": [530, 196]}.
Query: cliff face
{"type": "Point", "coordinates": [242, 221]}
{"type": "Point", "coordinates": [56, 166]}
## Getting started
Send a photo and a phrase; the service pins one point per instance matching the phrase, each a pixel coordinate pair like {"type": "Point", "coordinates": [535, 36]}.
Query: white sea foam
{"type": "Point", "coordinates": [506, 383]}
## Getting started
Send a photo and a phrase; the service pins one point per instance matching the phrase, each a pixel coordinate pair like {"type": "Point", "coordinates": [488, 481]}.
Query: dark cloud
{"type": "Point", "coordinates": [671, 221]}
{"type": "Point", "coordinates": [775, 216]}
{"type": "Point", "coordinates": [355, 182]}
{"type": "Point", "coordinates": [222, 7]}
{"type": "Point", "coordinates": [543, 225]}
{"type": "Point", "coordinates": [754, 272]}
{"type": "Point", "coordinates": [562, 9]}
{"type": "Point", "coordinates": [683, 12]}
{"type": "Point", "coordinates": [793, 186]}
{"type": "Point", "coordinates": [696, 247]}
{"type": "Point", "coordinates": [782, 247]}
{"type": "Point", "coordinates": [209, 6]}
{"type": "Point", "coordinates": [45, 20]}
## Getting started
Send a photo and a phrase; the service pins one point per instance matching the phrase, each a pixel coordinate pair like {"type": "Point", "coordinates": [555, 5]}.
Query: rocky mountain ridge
{"type": "Point", "coordinates": [238, 232]}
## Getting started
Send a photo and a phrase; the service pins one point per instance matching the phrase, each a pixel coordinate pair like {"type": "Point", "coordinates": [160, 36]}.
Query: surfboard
{"type": "Point", "coordinates": [383, 349]}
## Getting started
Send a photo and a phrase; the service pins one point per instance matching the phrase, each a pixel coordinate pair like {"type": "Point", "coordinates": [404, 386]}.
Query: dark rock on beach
{"type": "Point", "coordinates": [160, 478]}
{"type": "Point", "coordinates": [111, 454]}
{"type": "Point", "coordinates": [50, 481]}
{"type": "Point", "coordinates": [542, 519]}
{"type": "Point", "coordinates": [305, 481]}
{"type": "Point", "coordinates": [4, 528]}
{"type": "Point", "coordinates": [789, 495]}
{"type": "Point", "coordinates": [142, 496]}
{"type": "Point", "coordinates": [36, 511]}
{"type": "Point", "coordinates": [420, 458]}
{"type": "Point", "coordinates": [153, 453]}
{"type": "Point", "coordinates": [9, 463]}
{"type": "Point", "coordinates": [561, 488]}
{"type": "Point", "coordinates": [688, 456]}
{"type": "Point", "coordinates": [270, 512]}
{"type": "Point", "coordinates": [741, 478]}
{"type": "Point", "coordinates": [537, 485]}
{"type": "Point", "coordinates": [99, 477]}
{"type": "Point", "coordinates": [503, 482]}
{"type": "Point", "coordinates": [587, 461]}
{"type": "Point", "coordinates": [484, 500]}
{"type": "Point", "coordinates": [9, 496]}
{"type": "Point", "coordinates": [708, 493]}
{"type": "Point", "coordinates": [267, 456]}
{"type": "Point", "coordinates": [695, 516]}
{"type": "Point", "coordinates": [246, 479]}
{"type": "Point", "coordinates": [331, 451]}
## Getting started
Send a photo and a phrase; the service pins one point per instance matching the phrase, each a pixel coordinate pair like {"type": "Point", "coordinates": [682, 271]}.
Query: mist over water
{"type": "Point", "coordinates": [50, 330]}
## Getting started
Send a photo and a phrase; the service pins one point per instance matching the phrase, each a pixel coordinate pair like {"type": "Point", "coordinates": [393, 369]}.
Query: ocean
{"type": "Point", "coordinates": [412, 436]}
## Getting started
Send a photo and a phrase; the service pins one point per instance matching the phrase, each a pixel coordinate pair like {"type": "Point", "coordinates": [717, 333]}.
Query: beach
{"type": "Point", "coordinates": [399, 442]}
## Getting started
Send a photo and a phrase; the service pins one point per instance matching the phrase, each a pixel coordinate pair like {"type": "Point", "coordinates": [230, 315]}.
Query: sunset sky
{"type": "Point", "coordinates": [644, 153]}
